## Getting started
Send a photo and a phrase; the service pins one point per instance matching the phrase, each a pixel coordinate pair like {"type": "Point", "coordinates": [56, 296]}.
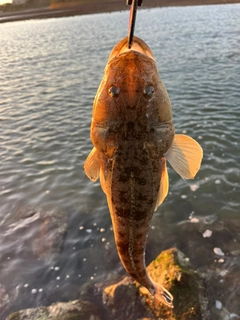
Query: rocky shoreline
{"type": "Point", "coordinates": [202, 274]}
{"type": "Point", "coordinates": [98, 7]}
{"type": "Point", "coordinates": [128, 300]}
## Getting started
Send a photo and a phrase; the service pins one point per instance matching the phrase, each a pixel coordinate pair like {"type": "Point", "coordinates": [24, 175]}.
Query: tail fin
{"type": "Point", "coordinates": [162, 295]}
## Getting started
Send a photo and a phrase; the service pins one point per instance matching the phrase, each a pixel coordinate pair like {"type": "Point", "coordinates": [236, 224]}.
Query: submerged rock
{"type": "Point", "coordinates": [30, 241]}
{"type": "Point", "coordinates": [73, 310]}
{"type": "Point", "coordinates": [38, 233]}
{"type": "Point", "coordinates": [122, 301]}
{"type": "Point", "coordinates": [4, 298]}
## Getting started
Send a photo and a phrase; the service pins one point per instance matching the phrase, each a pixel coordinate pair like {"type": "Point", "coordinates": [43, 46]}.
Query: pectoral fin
{"type": "Point", "coordinates": [92, 165]}
{"type": "Point", "coordinates": [163, 190]}
{"type": "Point", "coordinates": [185, 156]}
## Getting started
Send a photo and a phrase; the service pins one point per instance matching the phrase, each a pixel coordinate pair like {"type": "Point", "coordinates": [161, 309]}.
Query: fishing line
{"type": "Point", "coordinates": [132, 19]}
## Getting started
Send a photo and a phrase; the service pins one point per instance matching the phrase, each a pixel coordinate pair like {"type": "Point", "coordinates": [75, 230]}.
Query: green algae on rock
{"type": "Point", "coordinates": [172, 270]}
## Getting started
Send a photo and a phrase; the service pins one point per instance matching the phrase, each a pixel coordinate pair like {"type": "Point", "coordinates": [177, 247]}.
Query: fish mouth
{"type": "Point", "coordinates": [138, 45]}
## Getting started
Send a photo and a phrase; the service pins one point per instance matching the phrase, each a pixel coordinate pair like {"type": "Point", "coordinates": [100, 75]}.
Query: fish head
{"type": "Point", "coordinates": [131, 77]}
{"type": "Point", "coordinates": [131, 92]}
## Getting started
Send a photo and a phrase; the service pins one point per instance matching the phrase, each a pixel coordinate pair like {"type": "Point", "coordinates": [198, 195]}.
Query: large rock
{"type": "Point", "coordinates": [73, 310]}
{"type": "Point", "coordinates": [171, 269]}
{"type": "Point", "coordinates": [122, 301]}
{"type": "Point", "coordinates": [128, 299]}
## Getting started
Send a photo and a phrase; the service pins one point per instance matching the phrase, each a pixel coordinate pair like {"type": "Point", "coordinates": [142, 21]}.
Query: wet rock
{"type": "Point", "coordinates": [73, 310]}
{"type": "Point", "coordinates": [122, 301]}
{"type": "Point", "coordinates": [172, 270]}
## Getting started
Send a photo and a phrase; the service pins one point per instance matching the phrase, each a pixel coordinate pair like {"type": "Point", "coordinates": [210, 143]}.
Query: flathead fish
{"type": "Point", "coordinates": [133, 135]}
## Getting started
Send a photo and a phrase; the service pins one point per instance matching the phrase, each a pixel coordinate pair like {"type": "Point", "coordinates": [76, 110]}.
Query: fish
{"type": "Point", "coordinates": [133, 136]}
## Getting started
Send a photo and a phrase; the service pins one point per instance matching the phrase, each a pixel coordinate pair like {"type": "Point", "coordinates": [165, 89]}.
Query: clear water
{"type": "Point", "coordinates": [49, 74]}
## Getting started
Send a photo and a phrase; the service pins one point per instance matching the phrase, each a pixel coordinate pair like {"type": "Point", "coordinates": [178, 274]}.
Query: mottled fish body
{"type": "Point", "coordinates": [133, 134]}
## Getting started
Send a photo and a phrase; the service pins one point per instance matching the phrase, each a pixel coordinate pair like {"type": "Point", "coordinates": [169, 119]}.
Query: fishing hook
{"type": "Point", "coordinates": [132, 19]}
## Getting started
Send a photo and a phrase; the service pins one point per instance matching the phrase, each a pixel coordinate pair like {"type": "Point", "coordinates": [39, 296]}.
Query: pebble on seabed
{"type": "Point", "coordinates": [218, 251]}
{"type": "Point", "coordinates": [194, 187]}
{"type": "Point", "coordinates": [194, 220]}
{"type": "Point", "coordinates": [233, 315]}
{"type": "Point", "coordinates": [207, 233]}
{"type": "Point", "coordinates": [223, 273]}
{"type": "Point", "coordinates": [218, 304]}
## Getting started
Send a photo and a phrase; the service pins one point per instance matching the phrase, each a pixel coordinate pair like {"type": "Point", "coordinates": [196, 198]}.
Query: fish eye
{"type": "Point", "coordinates": [114, 92]}
{"type": "Point", "coordinates": [148, 91]}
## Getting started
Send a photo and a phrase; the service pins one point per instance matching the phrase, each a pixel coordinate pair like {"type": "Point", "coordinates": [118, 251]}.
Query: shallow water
{"type": "Point", "coordinates": [49, 74]}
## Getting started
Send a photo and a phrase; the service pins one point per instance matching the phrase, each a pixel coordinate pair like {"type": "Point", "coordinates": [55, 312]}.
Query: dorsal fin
{"type": "Point", "coordinates": [185, 156]}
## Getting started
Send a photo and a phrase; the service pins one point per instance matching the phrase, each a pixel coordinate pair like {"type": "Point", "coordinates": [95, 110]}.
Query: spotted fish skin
{"type": "Point", "coordinates": [132, 131]}
{"type": "Point", "coordinates": [134, 187]}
